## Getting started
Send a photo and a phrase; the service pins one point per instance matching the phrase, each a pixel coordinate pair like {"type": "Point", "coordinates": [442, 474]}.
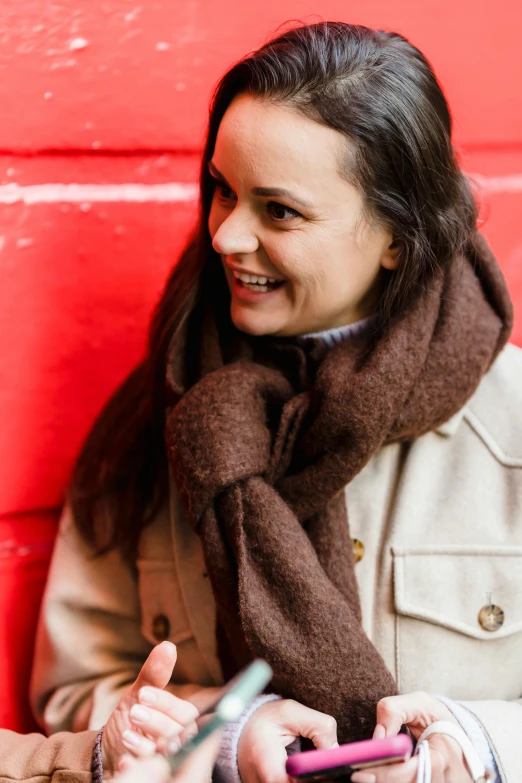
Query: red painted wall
{"type": "Point", "coordinates": [113, 93]}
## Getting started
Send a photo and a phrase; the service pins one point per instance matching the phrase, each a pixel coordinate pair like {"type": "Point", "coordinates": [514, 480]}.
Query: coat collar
{"type": "Point", "coordinates": [451, 426]}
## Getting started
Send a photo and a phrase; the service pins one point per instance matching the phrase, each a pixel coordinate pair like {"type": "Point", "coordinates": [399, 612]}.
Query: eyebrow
{"type": "Point", "coordinates": [266, 192]}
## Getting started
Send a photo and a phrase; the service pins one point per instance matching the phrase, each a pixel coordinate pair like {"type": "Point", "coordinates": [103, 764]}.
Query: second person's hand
{"type": "Point", "coordinates": [147, 714]}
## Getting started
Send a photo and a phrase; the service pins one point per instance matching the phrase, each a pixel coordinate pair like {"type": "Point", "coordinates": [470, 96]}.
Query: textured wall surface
{"type": "Point", "coordinates": [102, 110]}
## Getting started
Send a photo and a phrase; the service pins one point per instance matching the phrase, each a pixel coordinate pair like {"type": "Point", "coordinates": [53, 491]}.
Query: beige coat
{"type": "Point", "coordinates": [63, 758]}
{"type": "Point", "coordinates": [441, 524]}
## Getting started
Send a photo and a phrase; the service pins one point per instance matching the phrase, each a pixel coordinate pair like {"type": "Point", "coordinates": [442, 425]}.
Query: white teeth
{"type": "Point", "coordinates": [255, 282]}
{"type": "Point", "coordinates": [254, 278]}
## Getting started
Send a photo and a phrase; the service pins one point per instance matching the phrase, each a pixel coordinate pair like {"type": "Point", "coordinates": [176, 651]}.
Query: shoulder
{"type": "Point", "coordinates": [495, 410]}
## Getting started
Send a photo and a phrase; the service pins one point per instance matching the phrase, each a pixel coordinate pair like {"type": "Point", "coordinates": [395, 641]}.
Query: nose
{"type": "Point", "coordinates": [235, 236]}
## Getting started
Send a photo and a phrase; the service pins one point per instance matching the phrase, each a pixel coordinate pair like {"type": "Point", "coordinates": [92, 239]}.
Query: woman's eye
{"type": "Point", "coordinates": [280, 212]}
{"type": "Point", "coordinates": [224, 192]}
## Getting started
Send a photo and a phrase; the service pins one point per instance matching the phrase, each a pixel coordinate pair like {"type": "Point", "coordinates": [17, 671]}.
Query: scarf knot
{"type": "Point", "coordinates": [261, 450]}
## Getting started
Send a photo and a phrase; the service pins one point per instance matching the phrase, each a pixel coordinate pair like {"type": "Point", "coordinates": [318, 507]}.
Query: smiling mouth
{"type": "Point", "coordinates": [257, 283]}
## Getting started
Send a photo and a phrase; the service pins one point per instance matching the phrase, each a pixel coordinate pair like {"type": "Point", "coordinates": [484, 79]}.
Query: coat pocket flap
{"type": "Point", "coordinates": [448, 586]}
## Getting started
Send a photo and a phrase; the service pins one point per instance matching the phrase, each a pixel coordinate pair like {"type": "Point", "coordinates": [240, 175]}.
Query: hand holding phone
{"type": "Point", "coordinates": [316, 766]}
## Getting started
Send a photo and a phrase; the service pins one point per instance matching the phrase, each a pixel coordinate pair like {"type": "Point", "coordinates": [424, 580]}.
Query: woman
{"type": "Point", "coordinates": [95, 755]}
{"type": "Point", "coordinates": [327, 382]}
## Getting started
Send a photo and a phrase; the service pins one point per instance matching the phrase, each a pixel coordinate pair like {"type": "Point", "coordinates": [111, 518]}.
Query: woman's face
{"type": "Point", "coordinates": [298, 254]}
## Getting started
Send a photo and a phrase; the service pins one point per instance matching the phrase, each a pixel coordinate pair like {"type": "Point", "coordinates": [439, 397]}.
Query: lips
{"type": "Point", "coordinates": [257, 283]}
{"type": "Point", "coordinates": [255, 292]}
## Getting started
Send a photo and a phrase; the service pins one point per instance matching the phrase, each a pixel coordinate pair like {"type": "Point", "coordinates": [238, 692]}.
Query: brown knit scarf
{"type": "Point", "coordinates": [262, 448]}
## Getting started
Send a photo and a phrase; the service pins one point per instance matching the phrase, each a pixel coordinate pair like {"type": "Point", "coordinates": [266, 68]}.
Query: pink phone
{"type": "Point", "coordinates": [338, 763]}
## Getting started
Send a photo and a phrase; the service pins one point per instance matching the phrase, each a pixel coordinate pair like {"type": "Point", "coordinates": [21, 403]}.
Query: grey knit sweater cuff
{"type": "Point", "coordinates": [226, 767]}
{"type": "Point", "coordinates": [97, 762]}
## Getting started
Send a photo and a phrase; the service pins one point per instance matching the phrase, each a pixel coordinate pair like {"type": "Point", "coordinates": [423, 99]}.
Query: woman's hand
{"type": "Point", "coordinates": [275, 725]}
{"type": "Point", "coordinates": [417, 711]}
{"type": "Point", "coordinates": [147, 714]}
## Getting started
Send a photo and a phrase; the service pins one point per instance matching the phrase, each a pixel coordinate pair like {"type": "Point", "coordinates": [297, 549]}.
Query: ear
{"type": "Point", "coordinates": [392, 255]}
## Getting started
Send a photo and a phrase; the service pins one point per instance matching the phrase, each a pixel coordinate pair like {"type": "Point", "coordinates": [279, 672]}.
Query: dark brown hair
{"type": "Point", "coordinates": [378, 90]}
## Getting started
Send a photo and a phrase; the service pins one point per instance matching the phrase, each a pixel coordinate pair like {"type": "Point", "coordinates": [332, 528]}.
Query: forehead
{"type": "Point", "coordinates": [267, 139]}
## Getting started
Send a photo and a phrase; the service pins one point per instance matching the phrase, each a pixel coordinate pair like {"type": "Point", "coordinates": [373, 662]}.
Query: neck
{"type": "Point", "coordinates": [330, 337]}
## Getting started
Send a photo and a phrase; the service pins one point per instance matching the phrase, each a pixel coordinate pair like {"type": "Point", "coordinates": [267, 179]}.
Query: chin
{"type": "Point", "coordinates": [254, 330]}
{"type": "Point", "coordinates": [257, 327]}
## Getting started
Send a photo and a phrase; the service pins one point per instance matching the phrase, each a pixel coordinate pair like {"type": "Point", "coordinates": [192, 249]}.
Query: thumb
{"type": "Point", "coordinates": [157, 669]}
{"type": "Point", "coordinates": [393, 712]}
{"type": "Point", "coordinates": [415, 710]}
{"type": "Point", "coordinates": [316, 726]}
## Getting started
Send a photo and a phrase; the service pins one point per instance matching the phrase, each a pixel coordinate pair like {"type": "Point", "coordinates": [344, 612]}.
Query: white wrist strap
{"type": "Point", "coordinates": [424, 769]}
{"type": "Point", "coordinates": [475, 766]}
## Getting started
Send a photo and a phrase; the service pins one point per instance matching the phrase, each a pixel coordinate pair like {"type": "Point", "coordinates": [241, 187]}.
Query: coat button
{"type": "Point", "coordinates": [161, 627]}
{"type": "Point", "coordinates": [357, 549]}
{"type": "Point", "coordinates": [491, 617]}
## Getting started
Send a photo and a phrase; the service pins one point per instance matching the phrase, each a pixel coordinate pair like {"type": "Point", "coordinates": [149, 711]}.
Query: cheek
{"type": "Point", "coordinates": [298, 257]}
{"type": "Point", "coordinates": [328, 265]}
{"type": "Point", "coordinates": [349, 262]}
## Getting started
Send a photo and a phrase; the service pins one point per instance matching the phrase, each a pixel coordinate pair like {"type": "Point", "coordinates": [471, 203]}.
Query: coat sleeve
{"type": "Point", "coordinates": [501, 722]}
{"type": "Point", "coordinates": [63, 758]}
{"type": "Point", "coordinates": [89, 645]}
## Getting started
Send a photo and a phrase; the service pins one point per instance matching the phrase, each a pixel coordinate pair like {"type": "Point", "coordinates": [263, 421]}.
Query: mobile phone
{"type": "Point", "coordinates": [231, 702]}
{"type": "Point", "coordinates": [339, 763]}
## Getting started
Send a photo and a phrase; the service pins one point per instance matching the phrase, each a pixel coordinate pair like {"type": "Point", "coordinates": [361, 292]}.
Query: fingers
{"type": "Point", "coordinates": [392, 712]}
{"type": "Point", "coordinates": [137, 744]}
{"type": "Point", "coordinates": [162, 701]}
{"type": "Point", "coordinates": [415, 710]}
{"type": "Point", "coordinates": [157, 725]}
{"type": "Point", "coordinates": [447, 764]}
{"type": "Point", "coordinates": [447, 757]}
{"type": "Point", "coordinates": [405, 772]}
{"type": "Point", "coordinates": [161, 715]}
{"type": "Point", "coordinates": [157, 669]}
{"type": "Point", "coordinates": [305, 722]}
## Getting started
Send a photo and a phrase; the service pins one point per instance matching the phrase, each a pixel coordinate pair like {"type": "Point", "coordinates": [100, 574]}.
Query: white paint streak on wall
{"type": "Point", "coordinates": [54, 193]}
{"type": "Point", "coordinates": [508, 183]}
{"type": "Point", "coordinates": [170, 192]}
